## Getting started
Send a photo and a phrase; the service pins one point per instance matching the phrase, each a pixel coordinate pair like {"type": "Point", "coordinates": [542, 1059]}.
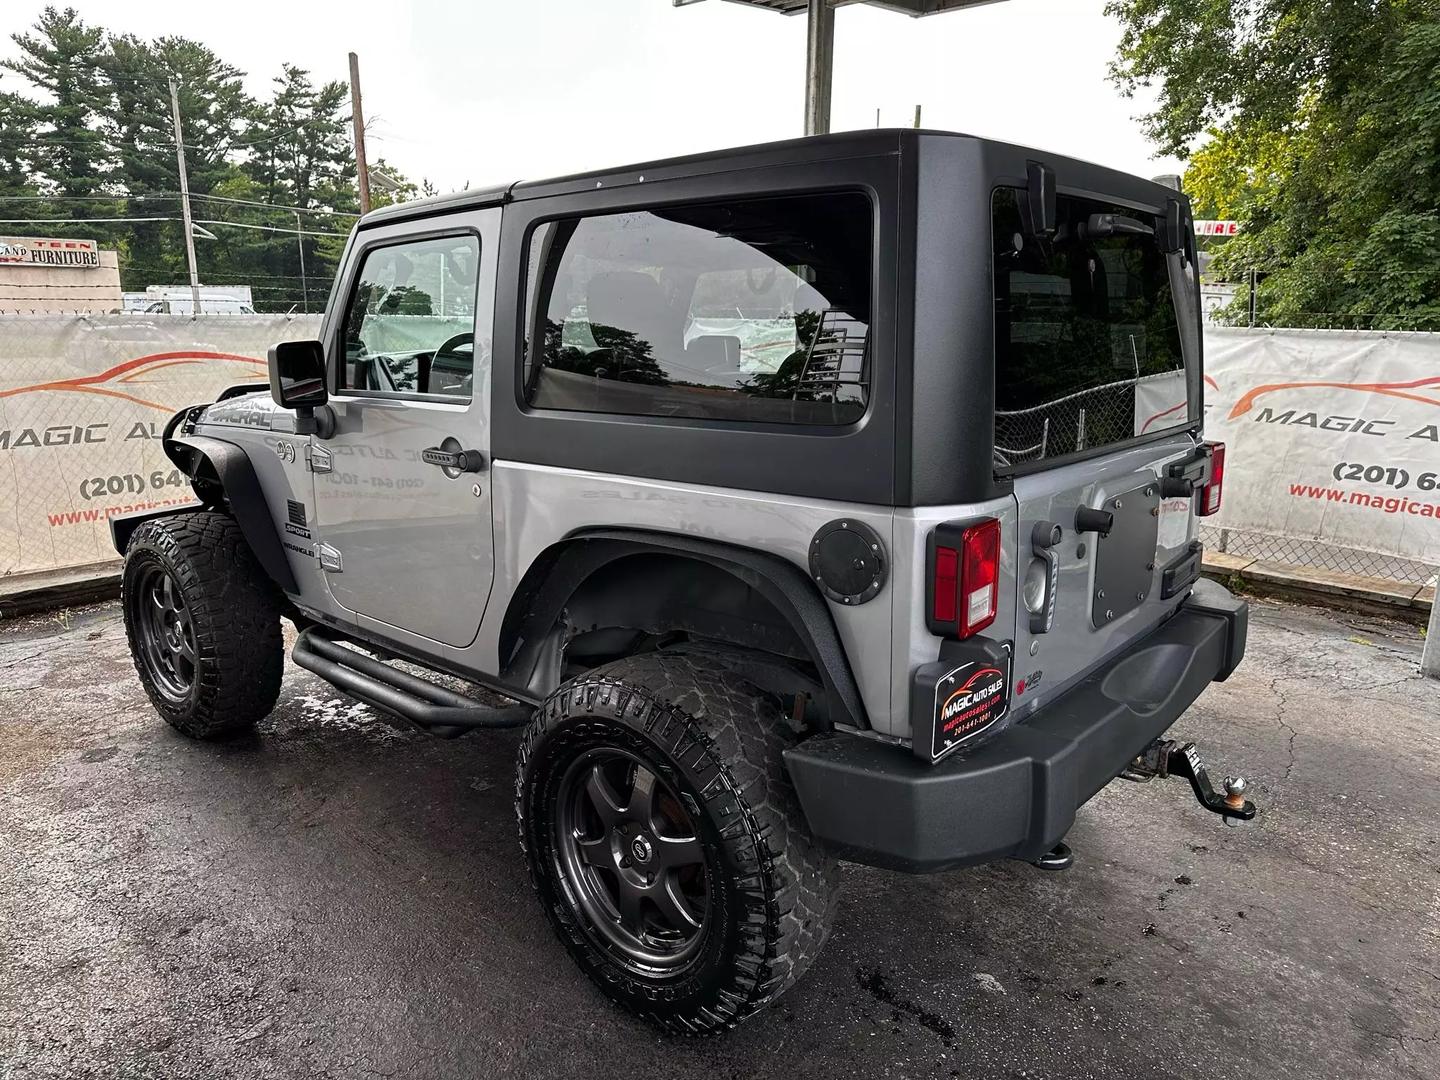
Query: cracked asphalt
{"type": "Point", "coordinates": [340, 896]}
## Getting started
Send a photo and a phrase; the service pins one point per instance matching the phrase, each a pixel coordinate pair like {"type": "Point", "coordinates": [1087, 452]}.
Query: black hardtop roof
{"type": "Point", "coordinates": [869, 142]}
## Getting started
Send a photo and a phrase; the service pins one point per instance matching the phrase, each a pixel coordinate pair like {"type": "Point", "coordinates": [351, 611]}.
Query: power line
{"type": "Point", "coordinates": [153, 269]}
{"type": "Point", "coordinates": [170, 195]}
{"type": "Point", "coordinates": [199, 221]}
{"type": "Point", "coordinates": [270, 228]}
{"type": "Point", "coordinates": [98, 138]}
{"type": "Point", "coordinates": [293, 131]}
{"type": "Point", "coordinates": [277, 206]}
{"type": "Point", "coordinates": [88, 221]}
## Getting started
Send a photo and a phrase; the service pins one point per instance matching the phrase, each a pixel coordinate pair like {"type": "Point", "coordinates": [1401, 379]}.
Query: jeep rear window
{"type": "Point", "coordinates": [754, 310]}
{"type": "Point", "coordinates": [1087, 344]}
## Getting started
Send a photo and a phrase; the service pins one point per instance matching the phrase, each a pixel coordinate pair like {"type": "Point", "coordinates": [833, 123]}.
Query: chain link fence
{"type": "Point", "coordinates": [83, 404]}
{"type": "Point", "coordinates": [1099, 415]}
{"type": "Point", "coordinates": [1316, 554]}
{"type": "Point", "coordinates": [1244, 300]}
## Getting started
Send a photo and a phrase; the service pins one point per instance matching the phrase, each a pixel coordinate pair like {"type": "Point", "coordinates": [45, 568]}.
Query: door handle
{"type": "Point", "coordinates": [1043, 538]}
{"type": "Point", "coordinates": [460, 460]}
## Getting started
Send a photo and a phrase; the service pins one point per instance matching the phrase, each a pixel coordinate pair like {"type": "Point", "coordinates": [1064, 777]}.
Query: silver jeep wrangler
{"type": "Point", "coordinates": [829, 499]}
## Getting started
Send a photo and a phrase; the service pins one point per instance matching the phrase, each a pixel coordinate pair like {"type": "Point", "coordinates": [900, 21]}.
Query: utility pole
{"type": "Point", "coordinates": [819, 66]}
{"type": "Point", "coordinates": [362, 170]}
{"type": "Point", "coordinates": [185, 202]}
{"type": "Point", "coordinates": [1430, 653]}
{"type": "Point", "coordinates": [300, 243]}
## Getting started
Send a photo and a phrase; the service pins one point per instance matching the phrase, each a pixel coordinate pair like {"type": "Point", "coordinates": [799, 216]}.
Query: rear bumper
{"type": "Point", "coordinates": [1016, 796]}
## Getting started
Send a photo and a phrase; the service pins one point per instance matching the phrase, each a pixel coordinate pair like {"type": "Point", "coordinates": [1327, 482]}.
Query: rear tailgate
{"type": "Point", "coordinates": [1107, 589]}
{"type": "Point", "coordinates": [1098, 395]}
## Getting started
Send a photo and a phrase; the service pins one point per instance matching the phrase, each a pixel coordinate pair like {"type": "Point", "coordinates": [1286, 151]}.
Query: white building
{"type": "Point", "coordinates": [49, 274]}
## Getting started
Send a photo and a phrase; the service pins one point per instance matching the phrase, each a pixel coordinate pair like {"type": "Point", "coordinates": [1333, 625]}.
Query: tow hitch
{"type": "Point", "coordinates": [1166, 757]}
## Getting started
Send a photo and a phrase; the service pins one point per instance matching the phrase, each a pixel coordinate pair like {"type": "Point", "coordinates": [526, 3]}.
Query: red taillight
{"type": "Point", "coordinates": [965, 578]}
{"type": "Point", "coordinates": [1212, 492]}
{"type": "Point", "coordinates": [979, 577]}
{"type": "Point", "coordinates": [946, 586]}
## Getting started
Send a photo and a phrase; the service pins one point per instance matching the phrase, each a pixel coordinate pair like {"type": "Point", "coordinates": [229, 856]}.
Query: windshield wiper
{"type": "Point", "coordinates": [1116, 225]}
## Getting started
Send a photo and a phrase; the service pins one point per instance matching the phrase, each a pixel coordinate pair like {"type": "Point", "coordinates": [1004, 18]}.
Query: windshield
{"type": "Point", "coordinates": [1088, 346]}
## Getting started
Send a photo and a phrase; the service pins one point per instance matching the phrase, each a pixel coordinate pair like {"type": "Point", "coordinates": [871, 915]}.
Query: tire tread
{"type": "Point", "coordinates": [709, 716]}
{"type": "Point", "coordinates": [235, 611]}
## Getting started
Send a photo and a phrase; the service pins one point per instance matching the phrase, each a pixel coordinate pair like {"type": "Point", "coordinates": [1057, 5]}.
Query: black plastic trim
{"type": "Point", "coordinates": [1181, 571]}
{"type": "Point", "coordinates": [236, 477]}
{"type": "Point", "coordinates": [1017, 795]}
{"type": "Point", "coordinates": [1212, 598]}
{"type": "Point", "coordinates": [242, 388]}
{"type": "Point", "coordinates": [123, 526]}
{"type": "Point", "coordinates": [559, 571]}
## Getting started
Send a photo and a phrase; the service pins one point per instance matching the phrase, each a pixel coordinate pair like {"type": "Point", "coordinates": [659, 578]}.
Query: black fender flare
{"type": "Point", "coordinates": [561, 569]}
{"type": "Point", "coordinates": [228, 467]}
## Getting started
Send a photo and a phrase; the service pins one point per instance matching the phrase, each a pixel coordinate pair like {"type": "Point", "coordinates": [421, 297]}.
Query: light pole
{"type": "Point", "coordinates": [185, 202]}
{"type": "Point", "coordinates": [820, 41]}
{"type": "Point", "coordinates": [1430, 653]}
{"type": "Point", "coordinates": [300, 243]}
{"type": "Point", "coordinates": [819, 66]}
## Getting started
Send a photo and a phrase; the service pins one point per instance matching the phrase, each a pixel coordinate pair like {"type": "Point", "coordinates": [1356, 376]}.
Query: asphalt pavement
{"type": "Point", "coordinates": [341, 896]}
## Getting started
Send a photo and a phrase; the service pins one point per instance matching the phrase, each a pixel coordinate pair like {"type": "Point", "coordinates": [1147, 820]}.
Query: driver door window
{"type": "Point", "coordinates": [410, 326]}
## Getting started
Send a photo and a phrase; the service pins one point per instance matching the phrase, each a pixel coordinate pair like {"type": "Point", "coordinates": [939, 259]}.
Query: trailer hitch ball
{"type": "Point", "coordinates": [1234, 798]}
{"type": "Point", "coordinates": [1164, 757]}
{"type": "Point", "coordinates": [1235, 792]}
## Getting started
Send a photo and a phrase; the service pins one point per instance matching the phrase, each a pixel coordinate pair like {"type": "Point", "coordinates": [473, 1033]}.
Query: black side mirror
{"type": "Point", "coordinates": [297, 374]}
{"type": "Point", "coordinates": [297, 380]}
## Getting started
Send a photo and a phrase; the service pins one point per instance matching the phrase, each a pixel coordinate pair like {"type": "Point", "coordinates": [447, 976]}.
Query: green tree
{"type": "Point", "coordinates": [64, 153]}
{"type": "Point", "coordinates": [86, 115]}
{"type": "Point", "coordinates": [300, 151]}
{"type": "Point", "coordinates": [137, 120]}
{"type": "Point", "coordinates": [18, 138]}
{"type": "Point", "coordinates": [1316, 123]}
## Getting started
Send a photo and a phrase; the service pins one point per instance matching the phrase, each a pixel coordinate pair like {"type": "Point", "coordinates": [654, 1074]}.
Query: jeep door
{"type": "Point", "coordinates": [401, 489]}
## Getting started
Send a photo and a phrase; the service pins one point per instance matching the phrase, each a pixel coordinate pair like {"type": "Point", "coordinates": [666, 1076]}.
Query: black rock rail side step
{"type": "Point", "coordinates": [441, 712]}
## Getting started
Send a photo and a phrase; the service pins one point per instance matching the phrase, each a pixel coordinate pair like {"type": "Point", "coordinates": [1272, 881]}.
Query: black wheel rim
{"type": "Point", "coordinates": [631, 860]}
{"type": "Point", "coordinates": [165, 632]}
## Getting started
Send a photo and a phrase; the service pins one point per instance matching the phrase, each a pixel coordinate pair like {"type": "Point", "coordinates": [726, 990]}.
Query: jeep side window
{"type": "Point", "coordinates": [410, 326]}
{"type": "Point", "coordinates": [755, 311]}
{"type": "Point", "coordinates": [1087, 345]}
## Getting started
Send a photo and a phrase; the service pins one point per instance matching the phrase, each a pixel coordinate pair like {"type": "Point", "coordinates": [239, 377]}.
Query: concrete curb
{"type": "Point", "coordinates": [30, 593]}
{"type": "Point", "coordinates": [1350, 592]}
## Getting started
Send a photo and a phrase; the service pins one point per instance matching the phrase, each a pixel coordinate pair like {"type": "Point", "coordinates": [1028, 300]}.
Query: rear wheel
{"type": "Point", "coordinates": [665, 841]}
{"type": "Point", "coordinates": [203, 622]}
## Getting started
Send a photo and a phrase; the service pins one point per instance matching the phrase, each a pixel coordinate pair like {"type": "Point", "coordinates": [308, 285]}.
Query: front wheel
{"type": "Point", "coordinates": [666, 843]}
{"type": "Point", "coordinates": [203, 622]}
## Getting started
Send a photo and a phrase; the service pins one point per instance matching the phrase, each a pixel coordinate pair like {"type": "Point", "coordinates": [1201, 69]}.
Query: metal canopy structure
{"type": "Point", "coordinates": [820, 41]}
{"type": "Point", "coordinates": [905, 7]}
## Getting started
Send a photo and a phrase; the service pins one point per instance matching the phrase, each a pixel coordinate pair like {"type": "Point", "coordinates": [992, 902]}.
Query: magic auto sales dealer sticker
{"type": "Point", "coordinates": [968, 700]}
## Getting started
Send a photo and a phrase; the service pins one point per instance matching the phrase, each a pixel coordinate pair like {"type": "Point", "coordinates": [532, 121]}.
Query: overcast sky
{"type": "Point", "coordinates": [495, 90]}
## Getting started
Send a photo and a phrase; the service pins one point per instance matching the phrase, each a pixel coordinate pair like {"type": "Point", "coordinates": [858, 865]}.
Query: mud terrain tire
{"type": "Point", "coordinates": [713, 742]}
{"type": "Point", "coordinates": [203, 622]}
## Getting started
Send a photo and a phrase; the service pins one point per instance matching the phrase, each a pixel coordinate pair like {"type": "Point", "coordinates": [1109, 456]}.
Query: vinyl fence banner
{"type": "Point", "coordinates": [83, 401]}
{"type": "Point", "coordinates": [1331, 436]}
